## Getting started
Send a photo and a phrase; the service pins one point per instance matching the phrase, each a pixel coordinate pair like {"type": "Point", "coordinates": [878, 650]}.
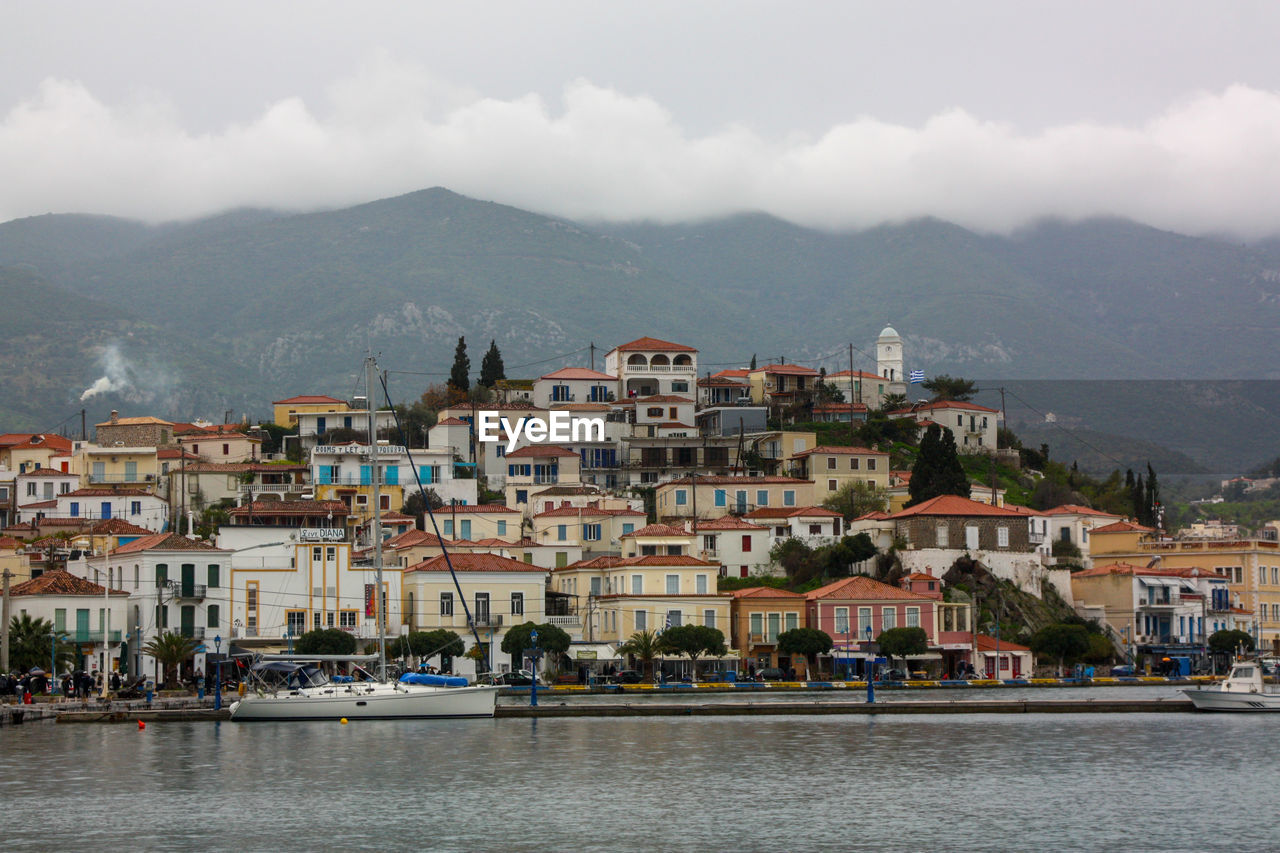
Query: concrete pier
{"type": "Point", "coordinates": [721, 709]}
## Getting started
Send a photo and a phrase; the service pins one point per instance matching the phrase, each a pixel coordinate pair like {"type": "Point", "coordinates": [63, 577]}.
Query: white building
{"type": "Point", "coordinates": [78, 609]}
{"type": "Point", "coordinates": [133, 505]}
{"type": "Point", "coordinates": [648, 366]}
{"type": "Point", "coordinates": [574, 385]}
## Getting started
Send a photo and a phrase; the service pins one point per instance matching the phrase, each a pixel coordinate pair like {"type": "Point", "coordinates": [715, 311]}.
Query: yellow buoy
{"type": "Point", "coordinates": [343, 721]}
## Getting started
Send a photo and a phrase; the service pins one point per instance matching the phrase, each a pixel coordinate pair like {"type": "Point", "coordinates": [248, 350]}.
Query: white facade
{"type": "Point", "coordinates": [648, 366]}
{"type": "Point", "coordinates": [574, 385]}
{"type": "Point", "coordinates": [144, 510]}
{"type": "Point", "coordinates": [82, 620]}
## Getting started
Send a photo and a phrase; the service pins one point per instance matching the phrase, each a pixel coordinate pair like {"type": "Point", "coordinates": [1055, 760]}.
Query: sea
{"type": "Point", "coordinates": [1083, 781]}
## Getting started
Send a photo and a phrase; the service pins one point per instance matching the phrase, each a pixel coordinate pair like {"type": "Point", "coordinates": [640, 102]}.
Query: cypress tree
{"type": "Point", "coordinates": [491, 369]}
{"type": "Point", "coordinates": [753, 361]}
{"type": "Point", "coordinates": [1152, 497]}
{"type": "Point", "coordinates": [937, 470]}
{"type": "Point", "coordinates": [458, 376]}
{"type": "Point", "coordinates": [1136, 496]}
{"type": "Point", "coordinates": [953, 481]}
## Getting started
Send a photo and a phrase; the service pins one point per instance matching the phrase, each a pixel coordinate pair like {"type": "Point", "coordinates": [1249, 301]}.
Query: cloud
{"type": "Point", "coordinates": [1206, 165]}
{"type": "Point", "coordinates": [129, 381]}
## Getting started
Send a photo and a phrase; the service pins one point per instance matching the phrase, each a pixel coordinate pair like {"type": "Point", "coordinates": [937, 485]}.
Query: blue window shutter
{"type": "Point", "coordinates": [366, 475]}
{"type": "Point", "coordinates": [466, 530]}
{"type": "Point", "coordinates": [393, 475]}
{"type": "Point", "coordinates": [721, 498]}
{"type": "Point", "coordinates": [75, 511]}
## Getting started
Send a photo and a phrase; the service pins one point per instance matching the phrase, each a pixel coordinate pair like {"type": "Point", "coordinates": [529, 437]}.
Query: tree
{"type": "Point", "coordinates": [903, 642]}
{"type": "Point", "coordinates": [937, 469]}
{"type": "Point", "coordinates": [946, 387]}
{"type": "Point", "coordinates": [416, 505]}
{"type": "Point", "coordinates": [642, 645]}
{"type": "Point", "coordinates": [551, 639]}
{"type": "Point", "coordinates": [1152, 499]}
{"type": "Point", "coordinates": [427, 644]}
{"type": "Point", "coordinates": [795, 558]}
{"type": "Point", "coordinates": [171, 649]}
{"type": "Point", "coordinates": [326, 641]}
{"type": "Point", "coordinates": [1062, 641]}
{"type": "Point", "coordinates": [459, 376]}
{"type": "Point", "coordinates": [694, 641]}
{"type": "Point", "coordinates": [31, 642]}
{"type": "Point", "coordinates": [856, 498]}
{"type": "Point", "coordinates": [491, 369]}
{"type": "Point", "coordinates": [893, 402]}
{"type": "Point", "coordinates": [1229, 642]}
{"type": "Point", "coordinates": [809, 642]}
{"type": "Point", "coordinates": [753, 362]}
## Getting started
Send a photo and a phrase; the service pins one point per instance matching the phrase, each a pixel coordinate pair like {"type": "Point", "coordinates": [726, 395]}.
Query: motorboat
{"type": "Point", "coordinates": [1243, 690]}
{"type": "Point", "coordinates": [289, 687]}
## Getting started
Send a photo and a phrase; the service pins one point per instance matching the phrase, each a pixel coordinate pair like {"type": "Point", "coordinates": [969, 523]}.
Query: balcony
{"type": "Point", "coordinates": [570, 621]}
{"type": "Point", "coordinates": [762, 639]}
{"type": "Point", "coordinates": [114, 479]}
{"type": "Point", "coordinates": [279, 487]}
{"type": "Point", "coordinates": [193, 632]}
{"type": "Point", "coordinates": [488, 620]}
{"type": "Point", "coordinates": [191, 590]}
{"type": "Point", "coordinates": [657, 368]}
{"type": "Point", "coordinates": [1158, 603]}
{"type": "Point", "coordinates": [92, 636]}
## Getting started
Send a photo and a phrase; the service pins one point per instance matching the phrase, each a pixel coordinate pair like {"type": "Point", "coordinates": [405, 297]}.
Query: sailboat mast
{"type": "Point", "coordinates": [371, 383]}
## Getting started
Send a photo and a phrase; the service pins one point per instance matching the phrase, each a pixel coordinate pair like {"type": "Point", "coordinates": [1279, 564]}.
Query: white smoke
{"type": "Point", "coordinates": [116, 377]}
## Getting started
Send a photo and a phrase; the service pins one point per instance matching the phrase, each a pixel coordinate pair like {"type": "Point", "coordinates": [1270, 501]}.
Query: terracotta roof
{"type": "Point", "coordinates": [787, 369]}
{"type": "Point", "coordinates": [732, 373]}
{"type": "Point", "coordinates": [575, 511]}
{"type": "Point", "coordinates": [764, 592]}
{"type": "Point", "coordinates": [539, 451]}
{"type": "Point", "coordinates": [309, 399]}
{"type": "Point", "coordinates": [1128, 569]}
{"type": "Point", "coordinates": [41, 504]}
{"type": "Point", "coordinates": [25, 440]}
{"type": "Point", "coordinates": [840, 407]}
{"type": "Point", "coordinates": [145, 420]}
{"type": "Point", "coordinates": [8, 542]}
{"type": "Point", "coordinates": [849, 451]}
{"type": "Point", "coordinates": [452, 422]}
{"type": "Point", "coordinates": [412, 539]}
{"type": "Point", "coordinates": [792, 512]}
{"type": "Point", "coordinates": [862, 588]}
{"type": "Point", "coordinates": [955, 505]}
{"type": "Point", "coordinates": [728, 522]}
{"type": "Point", "coordinates": [857, 374]}
{"type": "Point", "coordinates": [652, 344]}
{"type": "Point", "coordinates": [557, 491]}
{"type": "Point", "coordinates": [1122, 527]}
{"type": "Point", "coordinates": [673, 425]}
{"type": "Point", "coordinates": [988, 644]}
{"type": "Point", "coordinates": [874, 515]}
{"type": "Point", "coordinates": [117, 527]}
{"type": "Point", "coordinates": [721, 382]}
{"type": "Point", "coordinates": [657, 530]}
{"type": "Point", "coordinates": [581, 407]}
{"type": "Point", "coordinates": [174, 453]}
{"type": "Point", "coordinates": [59, 582]}
{"type": "Point", "coordinates": [920, 576]}
{"type": "Point", "coordinates": [164, 542]}
{"type": "Point", "coordinates": [672, 560]}
{"type": "Point", "coordinates": [240, 468]}
{"type": "Point", "coordinates": [736, 481]}
{"type": "Point", "coordinates": [1075, 509]}
{"type": "Point", "coordinates": [944, 404]}
{"type": "Point", "coordinates": [579, 373]}
{"type": "Point", "coordinates": [473, 562]}
{"type": "Point", "coordinates": [47, 472]}
{"type": "Point", "coordinates": [291, 508]}
{"type": "Point", "coordinates": [104, 493]}
{"type": "Point", "coordinates": [474, 508]}
{"type": "Point", "coordinates": [662, 398]}
{"type": "Point", "coordinates": [396, 517]}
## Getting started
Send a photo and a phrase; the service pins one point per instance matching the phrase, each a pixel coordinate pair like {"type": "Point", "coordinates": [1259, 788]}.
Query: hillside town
{"type": "Point", "coordinates": [738, 500]}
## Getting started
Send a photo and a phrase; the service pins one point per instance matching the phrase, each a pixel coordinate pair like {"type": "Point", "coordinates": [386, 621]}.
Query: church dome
{"type": "Point", "coordinates": [888, 332]}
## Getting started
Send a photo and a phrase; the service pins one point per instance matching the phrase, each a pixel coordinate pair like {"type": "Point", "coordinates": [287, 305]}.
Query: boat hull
{"type": "Point", "coordinates": [1222, 700]}
{"type": "Point", "coordinates": [382, 703]}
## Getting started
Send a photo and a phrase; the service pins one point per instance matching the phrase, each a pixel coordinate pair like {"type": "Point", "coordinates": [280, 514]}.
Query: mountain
{"type": "Point", "coordinates": [232, 311]}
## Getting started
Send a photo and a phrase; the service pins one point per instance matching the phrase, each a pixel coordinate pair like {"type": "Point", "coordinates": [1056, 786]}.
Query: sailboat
{"type": "Point", "coordinates": [295, 687]}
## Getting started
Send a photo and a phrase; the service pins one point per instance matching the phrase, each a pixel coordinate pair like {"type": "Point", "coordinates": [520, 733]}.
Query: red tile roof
{"type": "Point", "coordinates": [657, 530]}
{"type": "Point", "coordinates": [164, 542]}
{"type": "Point", "coordinates": [47, 472]}
{"type": "Point", "coordinates": [834, 450]}
{"type": "Point", "coordinates": [732, 373]}
{"type": "Point", "coordinates": [792, 512]}
{"type": "Point", "coordinates": [728, 522]}
{"type": "Point", "coordinates": [1122, 527]}
{"type": "Point", "coordinates": [452, 422]}
{"type": "Point", "coordinates": [857, 374]}
{"type": "Point", "coordinates": [474, 508]}
{"type": "Point", "coordinates": [473, 562]}
{"type": "Point", "coordinates": [736, 481]}
{"type": "Point", "coordinates": [338, 508]}
{"type": "Point", "coordinates": [174, 453]}
{"type": "Point", "coordinates": [574, 512]}
{"type": "Point", "coordinates": [672, 560]}
{"type": "Point", "coordinates": [662, 398]}
{"type": "Point", "coordinates": [143, 420]}
{"type": "Point", "coordinates": [786, 369]}
{"type": "Point", "coordinates": [1130, 569]}
{"type": "Point", "coordinates": [309, 399]}
{"type": "Point", "coordinates": [59, 582]}
{"type": "Point", "coordinates": [1075, 509]}
{"type": "Point", "coordinates": [30, 440]}
{"type": "Point", "coordinates": [863, 588]}
{"type": "Point", "coordinates": [840, 407]}
{"type": "Point", "coordinates": [117, 527]}
{"type": "Point", "coordinates": [539, 451]}
{"type": "Point", "coordinates": [579, 373]}
{"type": "Point", "coordinates": [945, 505]}
{"type": "Point", "coordinates": [8, 543]}
{"type": "Point", "coordinates": [104, 493]}
{"type": "Point", "coordinates": [988, 644]}
{"type": "Point", "coordinates": [944, 404]}
{"type": "Point", "coordinates": [647, 344]}
{"type": "Point", "coordinates": [764, 592]}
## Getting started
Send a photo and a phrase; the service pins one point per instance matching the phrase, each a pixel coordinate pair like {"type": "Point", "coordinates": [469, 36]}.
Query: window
{"type": "Point", "coordinates": [913, 617]}
{"type": "Point", "coordinates": [942, 535]}
{"type": "Point", "coordinates": [75, 509]}
{"type": "Point", "coordinates": [591, 532]}
{"type": "Point", "coordinates": [757, 624]}
{"type": "Point", "coordinates": [517, 604]}
{"type": "Point", "coordinates": [522, 496]}
{"type": "Point", "coordinates": [721, 497]}
{"type": "Point", "coordinates": [654, 412]}
{"type": "Point", "coordinates": [792, 621]}
{"type": "Point", "coordinates": [446, 604]}
{"type": "Point", "coordinates": [815, 529]}
{"type": "Point", "coordinates": [562, 532]}
{"type": "Point", "coordinates": [1002, 536]}
{"type": "Point", "coordinates": [789, 497]}
{"type": "Point", "coordinates": [295, 622]}
{"type": "Point", "coordinates": [251, 608]}
{"type": "Point", "coordinates": [674, 619]}
{"type": "Point", "coordinates": [831, 486]}
{"type": "Point", "coordinates": [853, 463]}
{"type": "Point", "coordinates": [888, 618]}
{"type": "Point", "coordinates": [628, 527]}
{"type": "Point", "coordinates": [31, 490]}
{"type": "Point", "coordinates": [775, 623]}
{"type": "Point", "coordinates": [637, 584]}
{"type": "Point", "coordinates": [211, 616]}
{"type": "Point", "coordinates": [831, 463]}
{"type": "Point", "coordinates": [162, 575]}
{"type": "Point", "coordinates": [842, 620]}
{"type": "Point", "coordinates": [682, 497]}
{"type": "Point", "coordinates": [213, 577]}
{"type": "Point", "coordinates": [673, 584]}
{"type": "Point", "coordinates": [595, 586]}
{"type": "Point", "coordinates": [502, 528]}
{"type": "Point", "coordinates": [762, 497]}
{"type": "Point", "coordinates": [746, 542]}
{"type": "Point", "coordinates": [347, 619]}
{"type": "Point", "coordinates": [641, 620]}
{"type": "Point", "coordinates": [700, 584]}
{"type": "Point", "coordinates": [864, 620]}
{"type": "Point", "coordinates": [1262, 574]}
{"type": "Point", "coordinates": [709, 618]}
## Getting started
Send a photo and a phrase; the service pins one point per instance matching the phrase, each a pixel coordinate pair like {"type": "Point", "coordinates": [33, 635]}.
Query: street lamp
{"type": "Point", "coordinates": [217, 687]}
{"type": "Point", "coordinates": [53, 659]}
{"type": "Point", "coordinates": [871, 680]}
{"type": "Point", "coordinates": [533, 664]}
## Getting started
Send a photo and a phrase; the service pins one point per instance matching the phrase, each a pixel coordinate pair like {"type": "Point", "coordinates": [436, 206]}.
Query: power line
{"type": "Point", "coordinates": [1060, 427]}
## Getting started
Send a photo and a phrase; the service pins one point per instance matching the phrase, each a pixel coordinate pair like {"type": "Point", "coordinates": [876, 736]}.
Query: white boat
{"type": "Point", "coordinates": [1243, 690]}
{"type": "Point", "coordinates": [294, 688]}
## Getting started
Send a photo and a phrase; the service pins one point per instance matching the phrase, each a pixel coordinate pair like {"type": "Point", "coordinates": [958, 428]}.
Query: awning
{"type": "Point", "coordinates": [925, 656]}
{"type": "Point", "coordinates": [591, 651]}
{"type": "Point", "coordinates": [1159, 582]}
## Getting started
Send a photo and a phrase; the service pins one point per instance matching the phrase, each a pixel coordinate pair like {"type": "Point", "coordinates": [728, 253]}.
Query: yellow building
{"type": "Point", "coordinates": [285, 412]}
{"type": "Point", "coordinates": [136, 467]}
{"type": "Point", "coordinates": [715, 497]}
{"type": "Point", "coordinates": [832, 468]}
{"type": "Point", "coordinates": [1251, 567]}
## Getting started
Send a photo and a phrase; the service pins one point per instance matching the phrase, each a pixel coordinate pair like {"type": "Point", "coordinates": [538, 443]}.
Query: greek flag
{"type": "Point", "coordinates": [917, 376]}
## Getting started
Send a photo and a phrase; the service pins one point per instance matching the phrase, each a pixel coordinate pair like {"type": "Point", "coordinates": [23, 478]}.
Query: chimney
{"type": "Point", "coordinates": [115, 416]}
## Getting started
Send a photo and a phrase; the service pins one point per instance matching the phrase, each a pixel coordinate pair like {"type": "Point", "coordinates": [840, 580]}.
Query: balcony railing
{"type": "Point", "coordinates": [93, 636]}
{"type": "Point", "coordinates": [492, 620]}
{"type": "Point", "coordinates": [572, 620]}
{"type": "Point", "coordinates": [194, 632]}
{"type": "Point", "coordinates": [657, 368]}
{"type": "Point", "coordinates": [122, 478]}
{"type": "Point", "coordinates": [279, 487]}
{"type": "Point", "coordinates": [762, 639]}
{"type": "Point", "coordinates": [192, 590]}
{"type": "Point", "coordinates": [1158, 602]}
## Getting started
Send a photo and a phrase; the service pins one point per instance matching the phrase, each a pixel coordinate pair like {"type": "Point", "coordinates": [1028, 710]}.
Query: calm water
{"type": "Point", "coordinates": [967, 782]}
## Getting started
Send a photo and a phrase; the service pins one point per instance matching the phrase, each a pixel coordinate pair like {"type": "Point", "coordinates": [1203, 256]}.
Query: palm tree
{"type": "Point", "coordinates": [644, 646]}
{"type": "Point", "coordinates": [892, 402]}
{"type": "Point", "coordinates": [29, 644]}
{"type": "Point", "coordinates": [170, 649]}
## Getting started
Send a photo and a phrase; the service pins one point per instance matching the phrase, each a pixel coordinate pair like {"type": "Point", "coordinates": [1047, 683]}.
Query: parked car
{"type": "Point", "coordinates": [516, 678]}
{"type": "Point", "coordinates": [1123, 670]}
{"type": "Point", "coordinates": [627, 676]}
{"type": "Point", "coordinates": [771, 673]}
{"type": "Point", "coordinates": [893, 675]}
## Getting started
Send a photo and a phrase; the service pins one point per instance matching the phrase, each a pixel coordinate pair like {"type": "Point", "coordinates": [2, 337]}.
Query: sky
{"type": "Point", "coordinates": [838, 115]}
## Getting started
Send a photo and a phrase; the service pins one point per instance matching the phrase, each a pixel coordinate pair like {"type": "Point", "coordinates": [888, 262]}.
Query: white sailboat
{"type": "Point", "coordinates": [1243, 690]}
{"type": "Point", "coordinates": [292, 687]}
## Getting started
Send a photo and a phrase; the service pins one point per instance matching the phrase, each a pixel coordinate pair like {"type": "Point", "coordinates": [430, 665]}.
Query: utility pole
{"type": "Point", "coordinates": [4, 631]}
{"type": "Point", "coordinates": [593, 355]}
